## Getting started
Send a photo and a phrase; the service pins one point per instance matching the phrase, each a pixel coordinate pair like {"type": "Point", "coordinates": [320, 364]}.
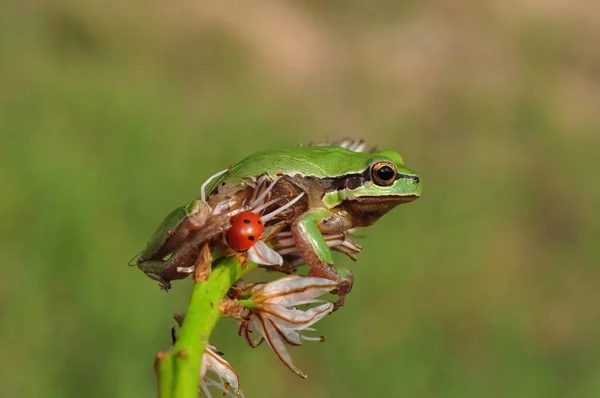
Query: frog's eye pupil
{"type": "Point", "coordinates": [385, 173]}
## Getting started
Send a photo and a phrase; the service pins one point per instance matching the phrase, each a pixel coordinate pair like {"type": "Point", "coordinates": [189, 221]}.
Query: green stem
{"type": "Point", "coordinates": [179, 369]}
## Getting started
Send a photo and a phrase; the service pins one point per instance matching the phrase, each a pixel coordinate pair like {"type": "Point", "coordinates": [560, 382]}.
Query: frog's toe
{"type": "Point", "coordinates": [343, 276]}
{"type": "Point", "coordinates": [346, 278]}
{"type": "Point", "coordinates": [162, 283]}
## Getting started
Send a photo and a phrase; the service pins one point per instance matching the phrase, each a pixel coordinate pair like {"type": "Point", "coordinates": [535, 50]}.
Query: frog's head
{"type": "Point", "coordinates": [384, 184]}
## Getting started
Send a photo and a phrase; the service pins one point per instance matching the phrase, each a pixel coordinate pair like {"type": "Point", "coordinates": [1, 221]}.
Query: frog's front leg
{"type": "Point", "coordinates": [313, 247]}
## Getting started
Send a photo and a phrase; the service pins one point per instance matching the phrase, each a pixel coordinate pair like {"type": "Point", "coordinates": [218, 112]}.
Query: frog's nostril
{"type": "Point", "coordinates": [416, 179]}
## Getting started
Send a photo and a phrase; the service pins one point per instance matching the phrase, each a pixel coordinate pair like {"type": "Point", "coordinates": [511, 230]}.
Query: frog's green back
{"type": "Point", "coordinates": [316, 161]}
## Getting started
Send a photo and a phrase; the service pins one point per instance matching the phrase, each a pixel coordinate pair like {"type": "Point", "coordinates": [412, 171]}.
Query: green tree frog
{"type": "Point", "coordinates": [336, 189]}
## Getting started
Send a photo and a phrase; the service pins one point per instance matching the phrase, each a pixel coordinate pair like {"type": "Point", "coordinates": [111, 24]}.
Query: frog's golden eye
{"type": "Point", "coordinates": [384, 173]}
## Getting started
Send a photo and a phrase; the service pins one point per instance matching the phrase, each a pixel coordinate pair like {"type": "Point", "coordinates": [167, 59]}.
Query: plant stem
{"type": "Point", "coordinates": [179, 369]}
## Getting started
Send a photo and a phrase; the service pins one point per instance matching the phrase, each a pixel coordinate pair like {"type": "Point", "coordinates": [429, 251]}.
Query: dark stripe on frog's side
{"type": "Point", "coordinates": [353, 181]}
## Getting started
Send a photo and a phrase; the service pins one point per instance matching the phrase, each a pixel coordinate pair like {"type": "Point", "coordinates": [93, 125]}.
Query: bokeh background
{"type": "Point", "coordinates": [113, 113]}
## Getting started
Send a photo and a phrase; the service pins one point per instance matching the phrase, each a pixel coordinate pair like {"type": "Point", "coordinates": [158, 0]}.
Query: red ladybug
{"type": "Point", "coordinates": [245, 231]}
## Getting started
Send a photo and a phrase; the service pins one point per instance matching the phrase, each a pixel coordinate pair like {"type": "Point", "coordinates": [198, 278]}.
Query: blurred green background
{"type": "Point", "coordinates": [113, 113]}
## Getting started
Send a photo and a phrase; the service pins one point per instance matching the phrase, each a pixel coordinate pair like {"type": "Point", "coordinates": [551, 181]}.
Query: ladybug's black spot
{"type": "Point", "coordinates": [251, 237]}
{"type": "Point", "coordinates": [246, 221]}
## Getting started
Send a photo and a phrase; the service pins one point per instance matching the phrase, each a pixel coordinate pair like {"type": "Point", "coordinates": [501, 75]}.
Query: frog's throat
{"type": "Point", "coordinates": [365, 210]}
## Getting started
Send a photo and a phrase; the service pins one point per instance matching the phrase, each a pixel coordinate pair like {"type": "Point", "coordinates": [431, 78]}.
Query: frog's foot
{"type": "Point", "coordinates": [155, 270]}
{"type": "Point", "coordinates": [162, 283]}
{"type": "Point", "coordinates": [343, 276]}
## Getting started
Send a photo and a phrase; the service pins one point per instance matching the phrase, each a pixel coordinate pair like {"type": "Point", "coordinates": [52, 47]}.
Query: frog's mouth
{"type": "Point", "coordinates": [387, 199]}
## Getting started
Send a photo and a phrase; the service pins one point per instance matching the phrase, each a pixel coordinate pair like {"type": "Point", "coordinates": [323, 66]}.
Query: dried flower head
{"type": "Point", "coordinates": [271, 312]}
{"type": "Point", "coordinates": [228, 381]}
